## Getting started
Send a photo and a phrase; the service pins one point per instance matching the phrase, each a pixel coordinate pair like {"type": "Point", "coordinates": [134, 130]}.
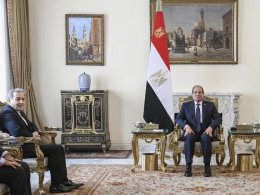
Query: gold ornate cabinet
{"type": "Point", "coordinates": [85, 120]}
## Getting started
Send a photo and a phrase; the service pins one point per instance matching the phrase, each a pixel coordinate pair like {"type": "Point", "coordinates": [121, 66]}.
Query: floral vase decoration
{"type": "Point", "coordinates": [84, 82]}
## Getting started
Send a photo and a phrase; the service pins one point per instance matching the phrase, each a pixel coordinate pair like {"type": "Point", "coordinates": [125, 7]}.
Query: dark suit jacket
{"type": "Point", "coordinates": [210, 115]}
{"type": "Point", "coordinates": [13, 124]}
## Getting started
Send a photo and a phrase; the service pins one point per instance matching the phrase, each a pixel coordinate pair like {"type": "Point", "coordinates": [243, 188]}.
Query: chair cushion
{"type": "Point", "coordinates": [33, 163]}
{"type": "Point", "coordinates": [215, 145]}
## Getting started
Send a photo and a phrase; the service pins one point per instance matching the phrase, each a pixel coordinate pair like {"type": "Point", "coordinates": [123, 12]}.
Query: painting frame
{"type": "Point", "coordinates": [84, 39]}
{"type": "Point", "coordinates": [200, 43]}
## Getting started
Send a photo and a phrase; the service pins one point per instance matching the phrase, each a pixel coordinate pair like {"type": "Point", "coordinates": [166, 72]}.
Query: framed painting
{"type": "Point", "coordinates": [84, 39]}
{"type": "Point", "coordinates": [200, 31]}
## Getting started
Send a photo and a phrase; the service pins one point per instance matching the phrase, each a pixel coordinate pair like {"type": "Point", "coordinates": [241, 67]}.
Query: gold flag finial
{"type": "Point", "coordinates": [158, 5]}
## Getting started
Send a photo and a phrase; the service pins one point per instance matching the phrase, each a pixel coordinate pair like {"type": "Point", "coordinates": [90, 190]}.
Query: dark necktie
{"type": "Point", "coordinates": [22, 117]}
{"type": "Point", "coordinates": [198, 125]}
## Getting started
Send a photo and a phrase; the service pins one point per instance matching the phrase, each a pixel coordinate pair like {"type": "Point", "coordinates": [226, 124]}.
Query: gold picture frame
{"type": "Point", "coordinates": [200, 31]}
{"type": "Point", "coordinates": [84, 39]}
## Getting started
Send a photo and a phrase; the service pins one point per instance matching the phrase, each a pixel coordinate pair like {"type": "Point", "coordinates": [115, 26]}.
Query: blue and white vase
{"type": "Point", "coordinates": [84, 82]}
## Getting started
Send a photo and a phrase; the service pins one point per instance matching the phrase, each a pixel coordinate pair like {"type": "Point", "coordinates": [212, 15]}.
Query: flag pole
{"type": "Point", "coordinates": [158, 5]}
{"type": "Point", "coordinates": [157, 145]}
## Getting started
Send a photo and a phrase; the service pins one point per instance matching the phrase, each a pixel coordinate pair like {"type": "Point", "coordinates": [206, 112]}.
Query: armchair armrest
{"type": "Point", "coordinates": [48, 137]}
{"type": "Point", "coordinates": [219, 133]}
{"type": "Point", "coordinates": [176, 133]}
{"type": "Point", "coordinates": [25, 140]}
{"type": "Point", "coordinates": [222, 139]}
{"type": "Point", "coordinates": [50, 133]}
{"type": "Point", "coordinates": [16, 151]}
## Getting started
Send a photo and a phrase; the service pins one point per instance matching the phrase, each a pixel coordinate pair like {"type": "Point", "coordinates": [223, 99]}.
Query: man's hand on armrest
{"type": "Point", "coordinates": [36, 135]}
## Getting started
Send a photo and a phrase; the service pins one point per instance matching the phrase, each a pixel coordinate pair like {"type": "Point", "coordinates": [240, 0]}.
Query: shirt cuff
{"type": "Point", "coordinates": [2, 161]}
{"type": "Point", "coordinates": [4, 153]}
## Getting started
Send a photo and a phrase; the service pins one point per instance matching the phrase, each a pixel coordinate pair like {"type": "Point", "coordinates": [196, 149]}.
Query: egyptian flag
{"type": "Point", "coordinates": [158, 106]}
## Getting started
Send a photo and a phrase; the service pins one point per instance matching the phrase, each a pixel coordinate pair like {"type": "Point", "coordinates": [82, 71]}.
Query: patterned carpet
{"type": "Point", "coordinates": [110, 154]}
{"type": "Point", "coordinates": [118, 179]}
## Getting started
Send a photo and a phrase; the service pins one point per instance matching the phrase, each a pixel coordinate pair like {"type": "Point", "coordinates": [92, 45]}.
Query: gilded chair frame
{"type": "Point", "coordinates": [218, 146]}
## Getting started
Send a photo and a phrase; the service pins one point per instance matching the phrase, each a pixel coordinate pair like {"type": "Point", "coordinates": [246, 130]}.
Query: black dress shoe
{"type": "Point", "coordinates": [207, 172]}
{"type": "Point", "coordinates": [71, 183]}
{"type": "Point", "coordinates": [188, 171]}
{"type": "Point", "coordinates": [61, 188]}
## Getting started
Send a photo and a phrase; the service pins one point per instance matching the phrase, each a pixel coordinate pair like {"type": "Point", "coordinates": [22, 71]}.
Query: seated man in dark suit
{"type": "Point", "coordinates": [16, 124]}
{"type": "Point", "coordinates": [198, 119]}
{"type": "Point", "coordinates": [15, 174]}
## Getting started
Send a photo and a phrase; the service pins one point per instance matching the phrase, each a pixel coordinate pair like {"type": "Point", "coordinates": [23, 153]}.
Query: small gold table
{"type": "Point", "coordinates": [149, 136]}
{"type": "Point", "coordinates": [247, 136]}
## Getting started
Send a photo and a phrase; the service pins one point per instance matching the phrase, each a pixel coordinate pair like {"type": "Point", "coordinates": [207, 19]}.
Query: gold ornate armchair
{"type": "Point", "coordinates": [218, 144]}
{"type": "Point", "coordinates": [38, 164]}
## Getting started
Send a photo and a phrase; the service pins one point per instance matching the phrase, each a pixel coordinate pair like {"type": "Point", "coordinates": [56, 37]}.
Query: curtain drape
{"type": "Point", "coordinates": [5, 70]}
{"type": "Point", "coordinates": [18, 27]}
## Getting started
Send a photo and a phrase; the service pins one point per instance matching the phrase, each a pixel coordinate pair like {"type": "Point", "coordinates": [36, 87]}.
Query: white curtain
{"type": "Point", "coordinates": [5, 71]}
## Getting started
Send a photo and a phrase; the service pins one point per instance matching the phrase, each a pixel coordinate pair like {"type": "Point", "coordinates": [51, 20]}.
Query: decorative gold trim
{"type": "Point", "coordinates": [80, 99]}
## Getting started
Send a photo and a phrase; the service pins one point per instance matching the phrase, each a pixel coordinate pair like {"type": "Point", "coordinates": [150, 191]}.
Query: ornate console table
{"type": "Point", "coordinates": [85, 120]}
{"type": "Point", "coordinates": [247, 136]}
{"type": "Point", "coordinates": [148, 136]}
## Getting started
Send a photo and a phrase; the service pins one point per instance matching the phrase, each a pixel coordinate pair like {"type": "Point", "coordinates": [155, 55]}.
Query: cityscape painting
{"type": "Point", "coordinates": [84, 39]}
{"type": "Point", "coordinates": [200, 31]}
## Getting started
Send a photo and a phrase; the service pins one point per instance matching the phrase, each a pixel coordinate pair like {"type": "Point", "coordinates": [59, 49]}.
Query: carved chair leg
{"type": "Point", "coordinates": [220, 157]}
{"type": "Point", "coordinates": [223, 155]}
{"type": "Point", "coordinates": [176, 158]}
{"type": "Point", "coordinates": [41, 178]}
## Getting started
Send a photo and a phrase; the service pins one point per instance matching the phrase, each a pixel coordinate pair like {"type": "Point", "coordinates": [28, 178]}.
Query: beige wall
{"type": "Point", "coordinates": [127, 44]}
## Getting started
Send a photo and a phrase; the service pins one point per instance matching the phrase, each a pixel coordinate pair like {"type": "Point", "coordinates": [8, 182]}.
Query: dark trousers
{"type": "Point", "coordinates": [18, 180]}
{"type": "Point", "coordinates": [189, 146]}
{"type": "Point", "coordinates": [56, 160]}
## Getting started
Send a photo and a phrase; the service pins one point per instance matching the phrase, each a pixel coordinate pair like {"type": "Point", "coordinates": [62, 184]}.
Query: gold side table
{"type": "Point", "coordinates": [247, 136]}
{"type": "Point", "coordinates": [148, 136]}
